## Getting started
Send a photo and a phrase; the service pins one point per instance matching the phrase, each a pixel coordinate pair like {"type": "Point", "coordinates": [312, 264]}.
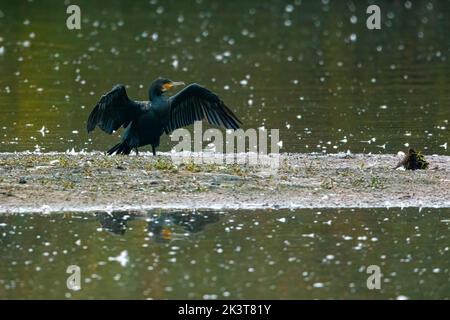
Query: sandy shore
{"type": "Point", "coordinates": [84, 182]}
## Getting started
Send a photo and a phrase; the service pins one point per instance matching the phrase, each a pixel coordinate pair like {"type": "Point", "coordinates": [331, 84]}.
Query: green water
{"type": "Point", "coordinates": [239, 254]}
{"type": "Point", "coordinates": [311, 69]}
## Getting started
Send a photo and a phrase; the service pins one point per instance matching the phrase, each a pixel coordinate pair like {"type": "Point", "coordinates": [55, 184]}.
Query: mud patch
{"type": "Point", "coordinates": [92, 181]}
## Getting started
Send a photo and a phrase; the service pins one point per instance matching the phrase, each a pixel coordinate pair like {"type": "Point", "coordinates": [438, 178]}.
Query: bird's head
{"type": "Point", "coordinates": [161, 85]}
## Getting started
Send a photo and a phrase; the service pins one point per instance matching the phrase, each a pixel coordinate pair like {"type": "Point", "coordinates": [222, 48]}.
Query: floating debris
{"type": "Point", "coordinates": [122, 258]}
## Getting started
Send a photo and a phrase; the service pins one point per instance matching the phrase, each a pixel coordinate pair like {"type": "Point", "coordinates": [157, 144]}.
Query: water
{"type": "Point", "coordinates": [308, 68]}
{"type": "Point", "coordinates": [237, 254]}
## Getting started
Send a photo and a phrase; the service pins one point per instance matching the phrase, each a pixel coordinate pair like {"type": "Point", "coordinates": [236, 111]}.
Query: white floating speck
{"type": "Point", "coordinates": [122, 258]}
{"type": "Point", "coordinates": [289, 8]}
{"type": "Point", "coordinates": [308, 235]}
{"type": "Point", "coordinates": [43, 131]}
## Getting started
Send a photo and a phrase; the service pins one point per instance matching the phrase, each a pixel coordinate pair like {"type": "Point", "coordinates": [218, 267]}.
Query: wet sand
{"type": "Point", "coordinates": [52, 182]}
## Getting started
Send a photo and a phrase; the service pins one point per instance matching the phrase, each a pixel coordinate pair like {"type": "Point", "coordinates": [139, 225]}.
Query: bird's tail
{"type": "Point", "coordinates": [120, 148]}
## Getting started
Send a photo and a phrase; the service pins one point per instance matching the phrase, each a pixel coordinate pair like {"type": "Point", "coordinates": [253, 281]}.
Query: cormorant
{"type": "Point", "coordinates": [146, 121]}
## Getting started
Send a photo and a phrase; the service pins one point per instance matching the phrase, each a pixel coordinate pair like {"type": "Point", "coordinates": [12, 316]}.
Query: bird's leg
{"type": "Point", "coordinates": [154, 150]}
{"type": "Point", "coordinates": [137, 151]}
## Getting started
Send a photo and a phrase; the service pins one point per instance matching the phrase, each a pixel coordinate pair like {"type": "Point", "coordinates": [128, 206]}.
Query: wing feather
{"type": "Point", "coordinates": [114, 110]}
{"type": "Point", "coordinates": [196, 103]}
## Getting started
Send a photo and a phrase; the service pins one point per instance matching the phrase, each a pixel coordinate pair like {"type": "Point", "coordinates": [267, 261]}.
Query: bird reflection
{"type": "Point", "coordinates": [173, 225]}
{"type": "Point", "coordinates": [115, 222]}
{"type": "Point", "coordinates": [161, 227]}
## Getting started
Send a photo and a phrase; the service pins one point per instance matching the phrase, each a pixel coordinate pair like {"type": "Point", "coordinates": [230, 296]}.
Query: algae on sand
{"type": "Point", "coordinates": [93, 181]}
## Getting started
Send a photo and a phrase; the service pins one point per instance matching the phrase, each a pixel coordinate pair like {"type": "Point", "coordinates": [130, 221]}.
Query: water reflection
{"type": "Point", "coordinates": [237, 255]}
{"type": "Point", "coordinates": [165, 226]}
{"type": "Point", "coordinates": [310, 68]}
{"type": "Point", "coordinates": [115, 222]}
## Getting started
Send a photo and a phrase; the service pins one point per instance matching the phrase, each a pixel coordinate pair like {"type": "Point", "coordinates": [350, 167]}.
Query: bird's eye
{"type": "Point", "coordinates": [167, 86]}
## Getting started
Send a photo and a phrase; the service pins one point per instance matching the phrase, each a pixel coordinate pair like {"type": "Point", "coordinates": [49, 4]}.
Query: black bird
{"type": "Point", "coordinates": [146, 121]}
{"type": "Point", "coordinates": [413, 161]}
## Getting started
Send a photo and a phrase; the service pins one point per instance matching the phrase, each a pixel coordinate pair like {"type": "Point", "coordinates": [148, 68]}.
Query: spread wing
{"type": "Point", "coordinates": [195, 103]}
{"type": "Point", "coordinates": [114, 110]}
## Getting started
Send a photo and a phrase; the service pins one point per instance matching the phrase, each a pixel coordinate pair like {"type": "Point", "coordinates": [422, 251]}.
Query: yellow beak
{"type": "Point", "coordinates": [170, 85]}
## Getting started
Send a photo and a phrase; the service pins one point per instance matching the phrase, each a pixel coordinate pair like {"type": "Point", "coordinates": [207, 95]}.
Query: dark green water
{"type": "Point", "coordinates": [239, 254]}
{"type": "Point", "coordinates": [308, 68]}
